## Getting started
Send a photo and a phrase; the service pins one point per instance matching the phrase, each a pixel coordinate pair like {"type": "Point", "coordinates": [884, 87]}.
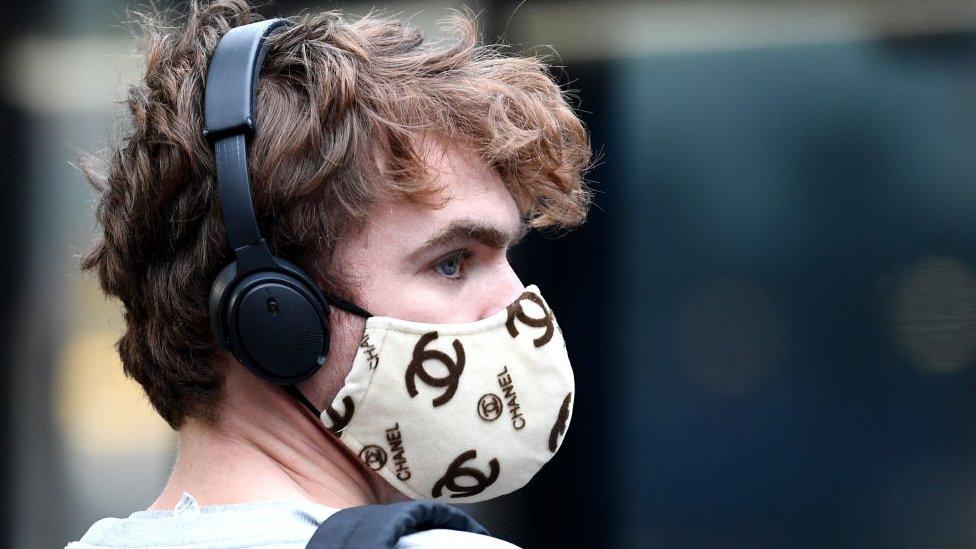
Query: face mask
{"type": "Point", "coordinates": [459, 412]}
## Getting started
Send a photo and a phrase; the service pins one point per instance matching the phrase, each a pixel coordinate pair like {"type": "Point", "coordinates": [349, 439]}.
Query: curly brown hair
{"type": "Point", "coordinates": [335, 96]}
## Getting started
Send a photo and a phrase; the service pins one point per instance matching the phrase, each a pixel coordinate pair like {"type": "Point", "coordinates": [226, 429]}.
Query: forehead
{"type": "Point", "coordinates": [469, 190]}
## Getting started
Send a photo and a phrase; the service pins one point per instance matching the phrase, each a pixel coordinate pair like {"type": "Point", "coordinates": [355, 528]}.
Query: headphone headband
{"type": "Point", "coordinates": [229, 99]}
{"type": "Point", "coordinates": [268, 312]}
{"type": "Point", "coordinates": [232, 78]}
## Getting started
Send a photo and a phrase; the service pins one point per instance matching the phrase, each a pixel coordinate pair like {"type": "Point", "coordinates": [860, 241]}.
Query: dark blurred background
{"type": "Point", "coordinates": [771, 312]}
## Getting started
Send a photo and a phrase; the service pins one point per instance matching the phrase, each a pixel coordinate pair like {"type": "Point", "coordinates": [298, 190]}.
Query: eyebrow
{"type": "Point", "coordinates": [461, 231]}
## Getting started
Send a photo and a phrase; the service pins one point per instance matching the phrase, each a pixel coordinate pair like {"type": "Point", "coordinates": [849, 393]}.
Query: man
{"type": "Point", "coordinates": [397, 173]}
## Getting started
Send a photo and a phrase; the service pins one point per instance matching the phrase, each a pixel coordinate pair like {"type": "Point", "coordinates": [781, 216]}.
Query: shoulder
{"type": "Point", "coordinates": [435, 539]}
{"type": "Point", "coordinates": [276, 523]}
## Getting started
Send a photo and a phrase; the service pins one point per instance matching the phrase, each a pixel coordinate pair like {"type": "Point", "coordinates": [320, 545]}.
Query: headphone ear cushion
{"type": "Point", "coordinates": [277, 326]}
{"type": "Point", "coordinates": [219, 295]}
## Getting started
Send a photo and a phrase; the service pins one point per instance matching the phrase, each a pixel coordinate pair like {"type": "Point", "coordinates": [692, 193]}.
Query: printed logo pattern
{"type": "Point", "coordinates": [559, 428]}
{"type": "Point", "coordinates": [456, 471]}
{"type": "Point", "coordinates": [416, 368]}
{"type": "Point", "coordinates": [516, 312]}
{"type": "Point", "coordinates": [339, 421]}
{"type": "Point", "coordinates": [490, 407]}
{"type": "Point", "coordinates": [371, 356]}
{"type": "Point", "coordinates": [397, 451]}
{"type": "Point", "coordinates": [373, 456]}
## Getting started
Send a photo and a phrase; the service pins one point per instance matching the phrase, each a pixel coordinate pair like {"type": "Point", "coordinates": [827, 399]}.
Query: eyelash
{"type": "Point", "coordinates": [463, 254]}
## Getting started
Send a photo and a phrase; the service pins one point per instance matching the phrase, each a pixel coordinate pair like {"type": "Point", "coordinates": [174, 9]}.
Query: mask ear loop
{"type": "Point", "coordinates": [348, 307]}
{"type": "Point", "coordinates": [293, 391]}
{"type": "Point", "coordinates": [341, 304]}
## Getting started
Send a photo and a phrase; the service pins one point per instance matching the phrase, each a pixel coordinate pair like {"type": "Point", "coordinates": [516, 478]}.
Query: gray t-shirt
{"type": "Point", "coordinates": [279, 524]}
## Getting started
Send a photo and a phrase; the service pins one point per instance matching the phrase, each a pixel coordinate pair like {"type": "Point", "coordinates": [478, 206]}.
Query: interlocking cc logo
{"type": "Point", "coordinates": [489, 407]}
{"type": "Point", "coordinates": [373, 456]}
{"type": "Point", "coordinates": [339, 421]}
{"type": "Point", "coordinates": [456, 471]}
{"type": "Point", "coordinates": [516, 312]}
{"type": "Point", "coordinates": [559, 428]}
{"type": "Point", "coordinates": [416, 368]}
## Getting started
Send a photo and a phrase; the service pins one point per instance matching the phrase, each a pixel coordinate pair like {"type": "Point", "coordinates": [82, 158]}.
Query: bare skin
{"type": "Point", "coordinates": [411, 261]}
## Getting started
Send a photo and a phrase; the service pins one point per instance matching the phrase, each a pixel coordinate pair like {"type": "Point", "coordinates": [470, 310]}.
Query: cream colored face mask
{"type": "Point", "coordinates": [458, 412]}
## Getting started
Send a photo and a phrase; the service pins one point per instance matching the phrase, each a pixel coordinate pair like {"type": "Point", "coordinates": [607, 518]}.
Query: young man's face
{"type": "Point", "coordinates": [422, 263]}
{"type": "Point", "coordinates": [427, 264]}
{"type": "Point", "coordinates": [449, 264]}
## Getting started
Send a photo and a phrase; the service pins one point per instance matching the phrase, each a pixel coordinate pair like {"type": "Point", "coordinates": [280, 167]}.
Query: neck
{"type": "Point", "coordinates": [264, 446]}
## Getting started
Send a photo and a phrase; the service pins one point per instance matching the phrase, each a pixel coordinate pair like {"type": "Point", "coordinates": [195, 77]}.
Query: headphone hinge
{"type": "Point", "coordinates": [253, 257]}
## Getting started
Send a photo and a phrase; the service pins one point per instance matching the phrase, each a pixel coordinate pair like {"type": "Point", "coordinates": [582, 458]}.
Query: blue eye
{"type": "Point", "coordinates": [450, 266]}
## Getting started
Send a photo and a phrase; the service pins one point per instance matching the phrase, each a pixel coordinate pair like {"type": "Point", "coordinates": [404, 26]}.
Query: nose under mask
{"type": "Point", "coordinates": [461, 412]}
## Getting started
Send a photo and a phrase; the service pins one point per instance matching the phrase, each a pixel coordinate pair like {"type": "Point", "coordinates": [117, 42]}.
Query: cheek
{"type": "Point", "coordinates": [427, 300]}
{"type": "Point", "coordinates": [480, 295]}
{"type": "Point", "coordinates": [345, 331]}
{"type": "Point", "coordinates": [489, 285]}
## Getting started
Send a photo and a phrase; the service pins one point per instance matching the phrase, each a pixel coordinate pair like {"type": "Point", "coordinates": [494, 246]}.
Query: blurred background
{"type": "Point", "coordinates": [772, 311]}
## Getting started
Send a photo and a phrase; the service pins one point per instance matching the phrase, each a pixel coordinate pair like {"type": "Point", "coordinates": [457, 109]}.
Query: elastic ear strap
{"type": "Point", "coordinates": [297, 394]}
{"type": "Point", "coordinates": [348, 307]}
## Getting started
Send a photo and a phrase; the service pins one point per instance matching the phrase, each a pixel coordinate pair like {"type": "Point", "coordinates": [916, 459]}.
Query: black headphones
{"type": "Point", "coordinates": [265, 310]}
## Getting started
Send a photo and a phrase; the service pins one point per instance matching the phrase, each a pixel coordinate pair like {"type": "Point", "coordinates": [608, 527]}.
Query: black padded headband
{"type": "Point", "coordinates": [229, 99]}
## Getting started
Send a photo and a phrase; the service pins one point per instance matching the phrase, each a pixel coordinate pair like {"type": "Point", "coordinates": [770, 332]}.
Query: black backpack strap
{"type": "Point", "coordinates": [382, 526]}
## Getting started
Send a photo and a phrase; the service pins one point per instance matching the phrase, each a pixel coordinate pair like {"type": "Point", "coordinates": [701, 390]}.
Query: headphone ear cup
{"type": "Point", "coordinates": [267, 312]}
{"type": "Point", "coordinates": [277, 326]}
